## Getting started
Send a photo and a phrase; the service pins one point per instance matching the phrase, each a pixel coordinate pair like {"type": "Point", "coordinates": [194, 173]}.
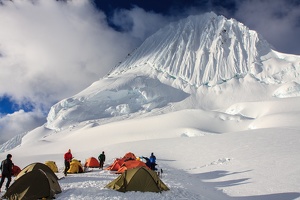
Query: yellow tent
{"type": "Point", "coordinates": [75, 167]}
{"type": "Point", "coordinates": [52, 166]}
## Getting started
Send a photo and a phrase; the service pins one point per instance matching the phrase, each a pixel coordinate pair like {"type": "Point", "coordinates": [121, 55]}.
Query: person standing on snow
{"type": "Point", "coordinates": [68, 158]}
{"type": "Point", "coordinates": [152, 161]}
{"type": "Point", "coordinates": [101, 159]}
{"type": "Point", "coordinates": [6, 168]}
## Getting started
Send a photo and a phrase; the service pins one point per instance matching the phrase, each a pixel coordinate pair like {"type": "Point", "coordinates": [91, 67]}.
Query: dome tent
{"type": "Point", "coordinates": [75, 167]}
{"type": "Point", "coordinates": [36, 166]}
{"type": "Point", "coordinates": [52, 165]}
{"type": "Point", "coordinates": [138, 179]}
{"type": "Point", "coordinates": [35, 184]}
{"type": "Point", "coordinates": [92, 162]}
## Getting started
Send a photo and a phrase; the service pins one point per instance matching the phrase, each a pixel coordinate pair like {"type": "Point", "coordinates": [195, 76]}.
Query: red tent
{"type": "Point", "coordinates": [16, 170]}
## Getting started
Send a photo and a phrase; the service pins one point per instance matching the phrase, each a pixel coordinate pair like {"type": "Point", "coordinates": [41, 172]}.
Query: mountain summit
{"type": "Point", "coordinates": [204, 61]}
{"type": "Point", "coordinates": [204, 49]}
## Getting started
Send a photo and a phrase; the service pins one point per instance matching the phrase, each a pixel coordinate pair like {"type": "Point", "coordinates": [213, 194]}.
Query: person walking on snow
{"type": "Point", "coordinates": [68, 157]}
{"type": "Point", "coordinates": [101, 159]}
{"type": "Point", "coordinates": [6, 168]}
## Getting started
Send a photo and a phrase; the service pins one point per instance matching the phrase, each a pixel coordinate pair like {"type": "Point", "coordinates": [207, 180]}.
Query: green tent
{"type": "Point", "coordinates": [35, 184]}
{"type": "Point", "coordinates": [138, 179]}
{"type": "Point", "coordinates": [36, 166]}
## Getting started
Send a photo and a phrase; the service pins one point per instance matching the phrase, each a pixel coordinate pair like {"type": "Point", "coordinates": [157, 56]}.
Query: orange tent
{"type": "Point", "coordinates": [131, 164]}
{"type": "Point", "coordinates": [92, 163]}
{"type": "Point", "coordinates": [129, 156]}
{"type": "Point", "coordinates": [116, 165]}
{"type": "Point", "coordinates": [119, 161]}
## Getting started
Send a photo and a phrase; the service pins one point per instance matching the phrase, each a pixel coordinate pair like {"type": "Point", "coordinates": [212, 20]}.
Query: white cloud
{"type": "Point", "coordinates": [277, 21]}
{"type": "Point", "coordinates": [19, 122]}
{"type": "Point", "coordinates": [50, 50]}
{"type": "Point", "coordinates": [139, 23]}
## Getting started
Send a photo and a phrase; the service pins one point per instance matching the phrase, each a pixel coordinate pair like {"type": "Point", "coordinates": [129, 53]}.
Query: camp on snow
{"type": "Point", "coordinates": [138, 179]}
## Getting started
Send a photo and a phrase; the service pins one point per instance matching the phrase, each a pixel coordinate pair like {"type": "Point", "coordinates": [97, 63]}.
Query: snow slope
{"type": "Point", "coordinates": [220, 110]}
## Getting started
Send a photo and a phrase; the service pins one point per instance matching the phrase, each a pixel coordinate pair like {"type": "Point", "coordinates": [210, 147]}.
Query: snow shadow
{"type": "Point", "coordinates": [222, 173]}
{"type": "Point", "coordinates": [277, 196]}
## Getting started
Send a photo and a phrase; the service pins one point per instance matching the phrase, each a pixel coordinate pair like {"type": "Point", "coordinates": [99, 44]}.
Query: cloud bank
{"type": "Point", "coordinates": [50, 50]}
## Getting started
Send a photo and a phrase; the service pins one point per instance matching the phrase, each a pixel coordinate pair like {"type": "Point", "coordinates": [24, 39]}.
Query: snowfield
{"type": "Point", "coordinates": [198, 160]}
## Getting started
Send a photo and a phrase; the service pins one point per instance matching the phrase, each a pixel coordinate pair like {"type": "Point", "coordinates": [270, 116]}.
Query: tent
{"type": "Point", "coordinates": [92, 163]}
{"type": "Point", "coordinates": [131, 164]}
{"type": "Point", "coordinates": [116, 165]}
{"type": "Point", "coordinates": [138, 179]}
{"type": "Point", "coordinates": [120, 161]}
{"type": "Point", "coordinates": [129, 156]}
{"type": "Point", "coordinates": [75, 167]}
{"type": "Point", "coordinates": [52, 165]}
{"type": "Point", "coordinates": [35, 184]}
{"type": "Point", "coordinates": [36, 166]}
{"type": "Point", "coordinates": [16, 170]}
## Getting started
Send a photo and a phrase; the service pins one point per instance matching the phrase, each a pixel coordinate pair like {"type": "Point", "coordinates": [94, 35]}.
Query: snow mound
{"type": "Point", "coordinates": [137, 94]}
{"type": "Point", "coordinates": [288, 90]}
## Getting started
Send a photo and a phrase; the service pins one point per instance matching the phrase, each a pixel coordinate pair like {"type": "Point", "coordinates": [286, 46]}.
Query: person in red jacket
{"type": "Point", "coordinates": [68, 157]}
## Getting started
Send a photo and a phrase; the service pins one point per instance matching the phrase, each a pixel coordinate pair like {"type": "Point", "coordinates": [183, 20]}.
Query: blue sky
{"type": "Point", "coordinates": [6, 105]}
{"type": "Point", "coordinates": [51, 50]}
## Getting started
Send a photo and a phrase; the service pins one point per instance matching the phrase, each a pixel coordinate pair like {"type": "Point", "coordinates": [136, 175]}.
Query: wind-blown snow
{"type": "Point", "coordinates": [220, 109]}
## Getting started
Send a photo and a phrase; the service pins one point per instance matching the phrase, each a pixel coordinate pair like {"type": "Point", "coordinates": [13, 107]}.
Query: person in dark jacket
{"type": "Point", "coordinates": [6, 168]}
{"type": "Point", "coordinates": [101, 159]}
{"type": "Point", "coordinates": [147, 162]}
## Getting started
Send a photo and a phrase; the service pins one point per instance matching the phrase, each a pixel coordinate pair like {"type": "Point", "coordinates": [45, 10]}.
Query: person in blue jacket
{"type": "Point", "coordinates": [152, 161]}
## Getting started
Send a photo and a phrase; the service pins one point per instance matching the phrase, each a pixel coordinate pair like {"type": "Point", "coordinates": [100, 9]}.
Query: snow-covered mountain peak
{"type": "Point", "coordinates": [202, 50]}
{"type": "Point", "coordinates": [204, 61]}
